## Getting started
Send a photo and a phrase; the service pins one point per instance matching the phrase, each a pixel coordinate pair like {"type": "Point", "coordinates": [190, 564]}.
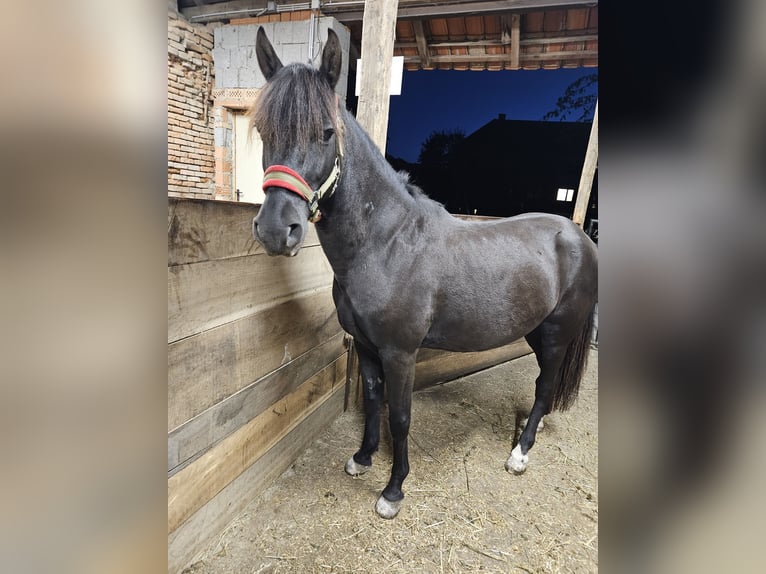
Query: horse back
{"type": "Point", "coordinates": [500, 279]}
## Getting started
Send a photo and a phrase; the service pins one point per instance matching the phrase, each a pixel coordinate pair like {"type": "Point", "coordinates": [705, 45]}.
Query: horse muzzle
{"type": "Point", "coordinates": [279, 239]}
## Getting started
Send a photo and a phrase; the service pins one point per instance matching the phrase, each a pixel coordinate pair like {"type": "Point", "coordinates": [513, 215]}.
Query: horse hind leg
{"type": "Point", "coordinates": [549, 360]}
{"type": "Point", "coordinates": [372, 380]}
{"type": "Point", "coordinates": [550, 354]}
{"type": "Point", "coordinates": [561, 354]}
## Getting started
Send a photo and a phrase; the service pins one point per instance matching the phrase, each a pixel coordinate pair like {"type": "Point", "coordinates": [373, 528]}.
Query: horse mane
{"type": "Point", "coordinates": [290, 111]}
{"type": "Point", "coordinates": [291, 107]}
{"type": "Point", "coordinates": [418, 195]}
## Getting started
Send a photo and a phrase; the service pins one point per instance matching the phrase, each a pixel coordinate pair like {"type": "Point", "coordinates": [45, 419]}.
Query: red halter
{"type": "Point", "coordinates": [283, 177]}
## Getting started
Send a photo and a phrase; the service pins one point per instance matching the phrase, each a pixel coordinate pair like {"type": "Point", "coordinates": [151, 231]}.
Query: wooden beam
{"type": "Point", "coordinates": [349, 12]}
{"type": "Point", "coordinates": [505, 29]}
{"type": "Point", "coordinates": [588, 172]}
{"type": "Point", "coordinates": [378, 33]}
{"type": "Point", "coordinates": [562, 39]}
{"type": "Point", "coordinates": [420, 39]}
{"type": "Point", "coordinates": [223, 10]}
{"type": "Point", "coordinates": [436, 366]}
{"type": "Point", "coordinates": [468, 58]}
{"type": "Point", "coordinates": [515, 40]}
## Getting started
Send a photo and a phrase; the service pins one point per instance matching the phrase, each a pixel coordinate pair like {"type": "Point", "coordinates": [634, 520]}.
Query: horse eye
{"type": "Point", "coordinates": [328, 134]}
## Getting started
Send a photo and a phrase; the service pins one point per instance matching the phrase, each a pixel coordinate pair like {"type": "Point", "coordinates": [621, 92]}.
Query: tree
{"type": "Point", "coordinates": [438, 148]}
{"type": "Point", "coordinates": [577, 102]}
{"type": "Point", "coordinates": [436, 172]}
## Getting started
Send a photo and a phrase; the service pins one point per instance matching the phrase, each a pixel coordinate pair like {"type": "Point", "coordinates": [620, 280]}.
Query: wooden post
{"type": "Point", "coordinates": [515, 39]}
{"type": "Point", "coordinates": [378, 33]}
{"type": "Point", "coordinates": [588, 171]}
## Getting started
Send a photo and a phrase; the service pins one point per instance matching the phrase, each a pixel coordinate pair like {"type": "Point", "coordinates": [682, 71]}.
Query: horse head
{"type": "Point", "coordinates": [296, 115]}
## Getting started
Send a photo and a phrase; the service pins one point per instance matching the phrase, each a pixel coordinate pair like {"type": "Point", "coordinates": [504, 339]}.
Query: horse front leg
{"type": "Point", "coordinates": [399, 369]}
{"type": "Point", "coordinates": [372, 381]}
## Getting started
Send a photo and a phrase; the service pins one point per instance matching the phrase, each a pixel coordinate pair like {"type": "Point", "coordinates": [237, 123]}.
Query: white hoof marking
{"type": "Point", "coordinates": [354, 468]}
{"type": "Point", "coordinates": [517, 462]}
{"type": "Point", "coordinates": [386, 508]}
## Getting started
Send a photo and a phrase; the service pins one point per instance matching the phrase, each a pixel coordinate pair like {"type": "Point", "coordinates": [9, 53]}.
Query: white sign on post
{"type": "Point", "coordinates": [397, 70]}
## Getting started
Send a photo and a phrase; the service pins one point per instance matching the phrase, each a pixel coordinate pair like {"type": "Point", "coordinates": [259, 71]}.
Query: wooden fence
{"type": "Point", "coordinates": [256, 366]}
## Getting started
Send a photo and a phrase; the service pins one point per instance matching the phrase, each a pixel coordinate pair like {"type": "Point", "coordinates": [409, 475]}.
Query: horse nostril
{"type": "Point", "coordinates": [255, 229]}
{"type": "Point", "coordinates": [293, 234]}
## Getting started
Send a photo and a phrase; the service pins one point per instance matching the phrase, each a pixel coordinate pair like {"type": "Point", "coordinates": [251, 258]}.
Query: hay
{"type": "Point", "coordinates": [462, 513]}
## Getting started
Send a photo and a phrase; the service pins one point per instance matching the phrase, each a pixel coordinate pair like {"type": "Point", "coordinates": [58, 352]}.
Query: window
{"type": "Point", "coordinates": [564, 194]}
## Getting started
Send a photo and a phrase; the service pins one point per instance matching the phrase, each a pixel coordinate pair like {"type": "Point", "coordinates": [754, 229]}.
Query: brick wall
{"type": "Point", "coordinates": [201, 102]}
{"type": "Point", "coordinates": [191, 160]}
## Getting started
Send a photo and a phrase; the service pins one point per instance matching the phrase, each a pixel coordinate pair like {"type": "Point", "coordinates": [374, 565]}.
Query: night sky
{"type": "Point", "coordinates": [441, 100]}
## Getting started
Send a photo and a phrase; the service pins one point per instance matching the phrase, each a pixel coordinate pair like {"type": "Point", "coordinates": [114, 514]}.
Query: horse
{"type": "Point", "coordinates": [407, 274]}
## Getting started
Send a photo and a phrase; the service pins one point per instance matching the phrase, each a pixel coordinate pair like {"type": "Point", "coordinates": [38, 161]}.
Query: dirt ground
{"type": "Point", "coordinates": [463, 512]}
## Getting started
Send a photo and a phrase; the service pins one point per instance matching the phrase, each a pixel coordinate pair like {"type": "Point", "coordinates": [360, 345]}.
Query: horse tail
{"type": "Point", "coordinates": [573, 367]}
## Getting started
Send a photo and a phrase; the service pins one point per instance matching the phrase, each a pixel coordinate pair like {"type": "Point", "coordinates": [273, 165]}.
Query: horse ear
{"type": "Point", "coordinates": [332, 56]}
{"type": "Point", "coordinates": [268, 60]}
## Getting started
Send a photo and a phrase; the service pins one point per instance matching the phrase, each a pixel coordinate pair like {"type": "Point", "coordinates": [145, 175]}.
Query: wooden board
{"type": "Point", "coordinates": [188, 540]}
{"type": "Point", "coordinates": [196, 436]}
{"type": "Point", "coordinates": [378, 33]}
{"type": "Point", "coordinates": [436, 366]}
{"type": "Point", "coordinates": [207, 294]}
{"type": "Point", "coordinates": [192, 487]}
{"type": "Point", "coordinates": [256, 365]}
{"type": "Point", "coordinates": [588, 172]}
{"type": "Point", "coordinates": [207, 368]}
{"type": "Point", "coordinates": [202, 230]}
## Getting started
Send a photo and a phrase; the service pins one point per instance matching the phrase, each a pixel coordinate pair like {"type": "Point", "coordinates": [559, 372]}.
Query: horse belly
{"type": "Point", "coordinates": [493, 322]}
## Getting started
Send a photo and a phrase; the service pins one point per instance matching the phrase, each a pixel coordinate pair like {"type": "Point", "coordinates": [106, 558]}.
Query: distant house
{"type": "Point", "coordinates": [508, 167]}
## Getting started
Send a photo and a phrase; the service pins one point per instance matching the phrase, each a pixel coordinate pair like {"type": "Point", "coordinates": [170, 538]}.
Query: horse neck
{"type": "Point", "coordinates": [367, 185]}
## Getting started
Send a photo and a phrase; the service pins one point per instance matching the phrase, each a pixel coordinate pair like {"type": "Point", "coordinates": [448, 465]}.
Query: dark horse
{"type": "Point", "coordinates": [407, 273]}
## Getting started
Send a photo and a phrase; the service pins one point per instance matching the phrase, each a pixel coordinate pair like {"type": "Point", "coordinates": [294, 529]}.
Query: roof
{"type": "Point", "coordinates": [532, 142]}
{"type": "Point", "coordinates": [451, 34]}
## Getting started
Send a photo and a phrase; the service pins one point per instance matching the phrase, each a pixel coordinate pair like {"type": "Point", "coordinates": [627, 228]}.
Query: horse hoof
{"type": "Point", "coordinates": [517, 462]}
{"type": "Point", "coordinates": [387, 509]}
{"type": "Point", "coordinates": [354, 468]}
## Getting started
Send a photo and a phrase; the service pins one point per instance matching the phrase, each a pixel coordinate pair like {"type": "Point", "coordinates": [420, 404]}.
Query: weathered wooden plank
{"type": "Point", "coordinates": [207, 368]}
{"type": "Point", "coordinates": [205, 230]}
{"type": "Point", "coordinates": [208, 294]}
{"type": "Point", "coordinates": [515, 39]}
{"type": "Point", "coordinates": [211, 12]}
{"type": "Point", "coordinates": [436, 366]}
{"type": "Point", "coordinates": [195, 485]}
{"type": "Point", "coordinates": [343, 13]}
{"type": "Point", "coordinates": [422, 44]}
{"type": "Point", "coordinates": [189, 539]}
{"type": "Point", "coordinates": [378, 33]}
{"type": "Point", "coordinates": [196, 436]}
{"type": "Point", "coordinates": [588, 173]}
{"type": "Point", "coordinates": [524, 57]}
